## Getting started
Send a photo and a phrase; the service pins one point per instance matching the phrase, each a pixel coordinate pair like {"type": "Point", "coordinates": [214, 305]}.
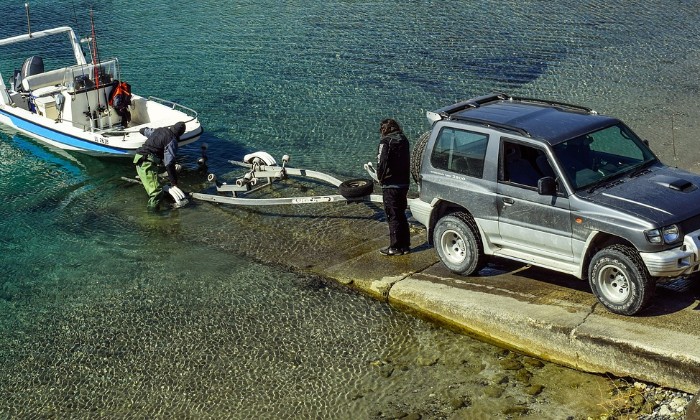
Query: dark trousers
{"type": "Point", "coordinates": [125, 114]}
{"type": "Point", "coordinates": [395, 205]}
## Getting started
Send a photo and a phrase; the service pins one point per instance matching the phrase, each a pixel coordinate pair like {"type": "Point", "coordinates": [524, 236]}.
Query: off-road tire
{"type": "Point", "coordinates": [458, 244]}
{"type": "Point", "coordinates": [417, 155]}
{"type": "Point", "coordinates": [356, 188]}
{"type": "Point", "coordinates": [620, 280]}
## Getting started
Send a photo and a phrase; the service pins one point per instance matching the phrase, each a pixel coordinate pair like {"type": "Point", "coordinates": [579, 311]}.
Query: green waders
{"type": "Point", "coordinates": [148, 173]}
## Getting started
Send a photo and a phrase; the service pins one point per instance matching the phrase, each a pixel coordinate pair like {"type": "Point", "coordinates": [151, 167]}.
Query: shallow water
{"type": "Point", "coordinates": [109, 311]}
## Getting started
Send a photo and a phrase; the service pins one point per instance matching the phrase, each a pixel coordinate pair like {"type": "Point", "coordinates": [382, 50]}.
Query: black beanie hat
{"type": "Point", "coordinates": [179, 129]}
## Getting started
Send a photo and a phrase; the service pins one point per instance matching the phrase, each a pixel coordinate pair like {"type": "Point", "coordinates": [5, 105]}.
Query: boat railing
{"type": "Point", "coordinates": [176, 106]}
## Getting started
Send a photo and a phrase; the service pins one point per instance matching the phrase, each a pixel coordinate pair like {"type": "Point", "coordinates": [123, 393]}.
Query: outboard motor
{"type": "Point", "coordinates": [32, 65]}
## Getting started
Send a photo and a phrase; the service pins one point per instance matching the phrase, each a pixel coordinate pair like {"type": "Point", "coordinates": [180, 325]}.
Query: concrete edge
{"type": "Point", "coordinates": [571, 336]}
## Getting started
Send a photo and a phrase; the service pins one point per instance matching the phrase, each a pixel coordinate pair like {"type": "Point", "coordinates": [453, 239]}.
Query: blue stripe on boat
{"type": "Point", "coordinates": [59, 137]}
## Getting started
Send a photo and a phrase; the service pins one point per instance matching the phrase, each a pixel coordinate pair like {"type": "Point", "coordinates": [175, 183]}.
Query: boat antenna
{"type": "Point", "coordinates": [95, 55]}
{"type": "Point", "coordinates": [29, 25]}
{"type": "Point", "coordinates": [88, 113]}
{"type": "Point", "coordinates": [96, 71]}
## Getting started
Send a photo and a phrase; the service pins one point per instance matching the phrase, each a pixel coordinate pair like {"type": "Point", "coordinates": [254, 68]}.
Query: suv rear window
{"type": "Point", "coordinates": [460, 151]}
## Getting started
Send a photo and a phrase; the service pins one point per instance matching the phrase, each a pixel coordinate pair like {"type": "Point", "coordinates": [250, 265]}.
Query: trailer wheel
{"type": "Point", "coordinates": [417, 155]}
{"type": "Point", "coordinates": [356, 188]}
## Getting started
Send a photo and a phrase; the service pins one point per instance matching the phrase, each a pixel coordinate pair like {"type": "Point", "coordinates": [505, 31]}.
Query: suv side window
{"type": "Point", "coordinates": [460, 151]}
{"type": "Point", "coordinates": [523, 165]}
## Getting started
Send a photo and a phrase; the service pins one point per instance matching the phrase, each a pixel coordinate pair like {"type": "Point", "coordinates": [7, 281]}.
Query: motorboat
{"type": "Point", "coordinates": [68, 107]}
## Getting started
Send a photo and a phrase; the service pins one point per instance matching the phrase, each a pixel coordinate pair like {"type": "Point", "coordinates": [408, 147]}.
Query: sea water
{"type": "Point", "coordinates": [107, 310]}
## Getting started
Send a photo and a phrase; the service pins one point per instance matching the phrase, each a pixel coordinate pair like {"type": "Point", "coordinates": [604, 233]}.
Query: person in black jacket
{"type": "Point", "coordinates": [160, 146]}
{"type": "Point", "coordinates": [393, 171]}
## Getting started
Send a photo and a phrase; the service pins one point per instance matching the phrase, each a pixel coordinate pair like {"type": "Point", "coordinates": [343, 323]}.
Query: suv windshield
{"type": "Point", "coordinates": [601, 156]}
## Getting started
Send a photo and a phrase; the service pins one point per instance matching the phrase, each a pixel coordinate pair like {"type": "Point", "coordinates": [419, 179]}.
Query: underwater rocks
{"type": "Point", "coordinates": [517, 386]}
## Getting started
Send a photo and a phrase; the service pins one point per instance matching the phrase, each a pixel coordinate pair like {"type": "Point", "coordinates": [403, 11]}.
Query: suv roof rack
{"type": "Point", "coordinates": [485, 123]}
{"type": "Point", "coordinates": [446, 112]}
{"type": "Point", "coordinates": [449, 112]}
{"type": "Point", "coordinates": [554, 103]}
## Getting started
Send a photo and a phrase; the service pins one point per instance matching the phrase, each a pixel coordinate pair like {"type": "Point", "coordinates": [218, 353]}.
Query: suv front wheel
{"type": "Point", "coordinates": [620, 281]}
{"type": "Point", "coordinates": [458, 243]}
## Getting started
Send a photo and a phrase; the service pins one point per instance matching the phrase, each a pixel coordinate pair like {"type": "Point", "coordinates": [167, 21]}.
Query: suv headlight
{"type": "Point", "coordinates": [666, 235]}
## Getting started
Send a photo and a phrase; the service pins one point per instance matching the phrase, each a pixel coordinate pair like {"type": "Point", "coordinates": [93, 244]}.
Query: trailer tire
{"type": "Point", "coordinates": [356, 188]}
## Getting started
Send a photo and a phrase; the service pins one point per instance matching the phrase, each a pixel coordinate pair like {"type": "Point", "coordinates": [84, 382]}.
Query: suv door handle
{"type": "Point", "coordinates": [508, 201]}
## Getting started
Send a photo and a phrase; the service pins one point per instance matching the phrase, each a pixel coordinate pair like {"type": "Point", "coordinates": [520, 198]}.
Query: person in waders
{"type": "Point", "coordinates": [393, 170]}
{"type": "Point", "coordinates": [160, 147]}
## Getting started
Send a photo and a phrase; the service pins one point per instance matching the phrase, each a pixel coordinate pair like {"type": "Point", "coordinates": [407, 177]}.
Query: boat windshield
{"type": "Point", "coordinates": [102, 74]}
{"type": "Point", "coordinates": [596, 158]}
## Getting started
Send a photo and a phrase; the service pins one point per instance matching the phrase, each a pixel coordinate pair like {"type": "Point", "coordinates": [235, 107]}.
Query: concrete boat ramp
{"type": "Point", "coordinates": [534, 311]}
{"type": "Point", "coordinates": [542, 314]}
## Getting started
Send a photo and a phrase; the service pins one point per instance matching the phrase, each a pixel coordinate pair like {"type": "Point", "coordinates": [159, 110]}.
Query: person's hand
{"type": "Point", "coordinates": [371, 171]}
{"type": "Point", "coordinates": [176, 193]}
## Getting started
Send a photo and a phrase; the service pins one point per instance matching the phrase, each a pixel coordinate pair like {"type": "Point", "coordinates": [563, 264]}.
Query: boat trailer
{"type": "Point", "coordinates": [263, 171]}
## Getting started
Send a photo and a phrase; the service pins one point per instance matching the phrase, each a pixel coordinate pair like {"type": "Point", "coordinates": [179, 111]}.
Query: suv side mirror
{"type": "Point", "coordinates": [546, 186]}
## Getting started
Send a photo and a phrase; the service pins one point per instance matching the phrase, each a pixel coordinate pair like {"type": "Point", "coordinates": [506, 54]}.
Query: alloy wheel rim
{"type": "Point", "coordinates": [613, 284]}
{"type": "Point", "coordinates": [453, 246]}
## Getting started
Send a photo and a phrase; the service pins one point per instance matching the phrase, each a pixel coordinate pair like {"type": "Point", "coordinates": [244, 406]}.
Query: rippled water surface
{"type": "Point", "coordinates": [109, 311]}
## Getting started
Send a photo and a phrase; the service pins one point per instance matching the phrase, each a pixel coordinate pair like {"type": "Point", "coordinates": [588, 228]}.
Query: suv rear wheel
{"type": "Point", "coordinates": [458, 243]}
{"type": "Point", "coordinates": [620, 281]}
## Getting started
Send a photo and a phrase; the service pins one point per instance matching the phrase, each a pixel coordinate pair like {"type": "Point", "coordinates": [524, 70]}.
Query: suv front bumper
{"type": "Point", "coordinates": [675, 262]}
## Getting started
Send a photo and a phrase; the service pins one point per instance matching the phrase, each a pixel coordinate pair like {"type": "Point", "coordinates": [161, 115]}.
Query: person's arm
{"type": "Point", "coordinates": [382, 159]}
{"type": "Point", "coordinates": [169, 155]}
{"type": "Point", "coordinates": [169, 160]}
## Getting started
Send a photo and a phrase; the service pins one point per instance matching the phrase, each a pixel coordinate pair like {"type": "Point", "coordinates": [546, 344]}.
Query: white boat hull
{"type": "Point", "coordinates": [67, 108]}
{"type": "Point", "coordinates": [98, 142]}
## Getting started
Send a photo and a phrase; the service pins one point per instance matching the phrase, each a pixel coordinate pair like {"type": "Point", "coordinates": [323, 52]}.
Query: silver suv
{"type": "Point", "coordinates": [557, 186]}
